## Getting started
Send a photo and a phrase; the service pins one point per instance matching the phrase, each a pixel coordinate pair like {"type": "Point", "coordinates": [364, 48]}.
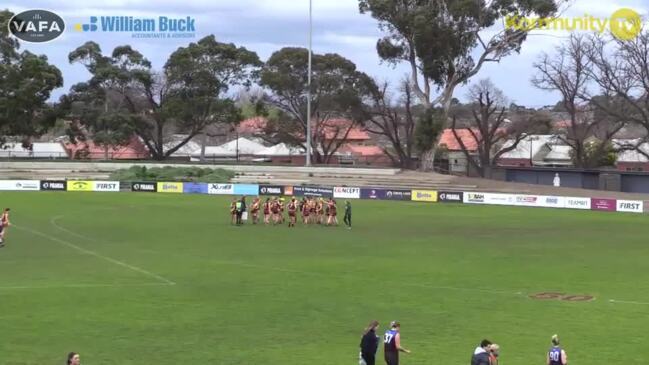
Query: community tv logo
{"type": "Point", "coordinates": [160, 27]}
{"type": "Point", "coordinates": [624, 24]}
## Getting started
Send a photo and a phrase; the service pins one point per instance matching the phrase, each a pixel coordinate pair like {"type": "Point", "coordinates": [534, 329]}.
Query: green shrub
{"type": "Point", "coordinates": [168, 173]}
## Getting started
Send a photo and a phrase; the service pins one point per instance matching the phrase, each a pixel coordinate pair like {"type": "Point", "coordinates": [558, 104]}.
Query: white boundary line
{"type": "Point", "coordinates": [73, 286]}
{"type": "Point", "coordinates": [61, 228]}
{"type": "Point", "coordinates": [92, 253]}
{"type": "Point", "coordinates": [627, 302]}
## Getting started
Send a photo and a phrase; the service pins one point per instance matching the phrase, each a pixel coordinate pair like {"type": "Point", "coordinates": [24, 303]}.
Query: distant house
{"type": "Point", "coordinates": [357, 146]}
{"type": "Point", "coordinates": [536, 150]}
{"type": "Point", "coordinates": [559, 156]}
{"type": "Point", "coordinates": [88, 150]}
{"type": "Point", "coordinates": [51, 150]}
{"type": "Point", "coordinates": [364, 155]}
{"type": "Point", "coordinates": [631, 159]}
{"type": "Point", "coordinates": [252, 126]}
{"type": "Point", "coordinates": [338, 130]}
{"type": "Point", "coordinates": [457, 161]}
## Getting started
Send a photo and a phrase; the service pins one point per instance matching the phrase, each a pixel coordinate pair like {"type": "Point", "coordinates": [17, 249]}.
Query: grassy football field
{"type": "Point", "coordinates": [128, 278]}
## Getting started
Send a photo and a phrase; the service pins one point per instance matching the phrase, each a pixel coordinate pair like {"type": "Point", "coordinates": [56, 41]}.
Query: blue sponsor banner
{"type": "Point", "coordinates": [246, 189]}
{"type": "Point", "coordinates": [194, 188]}
{"type": "Point", "coordinates": [386, 194]}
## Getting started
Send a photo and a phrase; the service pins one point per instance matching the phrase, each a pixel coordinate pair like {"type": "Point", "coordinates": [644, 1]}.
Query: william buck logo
{"type": "Point", "coordinates": [160, 27]}
{"type": "Point", "coordinates": [36, 26]}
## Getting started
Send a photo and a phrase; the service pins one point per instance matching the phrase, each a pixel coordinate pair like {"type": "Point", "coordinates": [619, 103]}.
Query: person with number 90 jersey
{"type": "Point", "coordinates": [392, 344]}
{"type": "Point", "coordinates": [556, 355]}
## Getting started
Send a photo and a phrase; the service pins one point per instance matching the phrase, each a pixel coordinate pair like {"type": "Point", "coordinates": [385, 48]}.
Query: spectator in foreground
{"type": "Point", "coordinates": [73, 358]}
{"type": "Point", "coordinates": [494, 351]}
{"type": "Point", "coordinates": [481, 353]}
{"type": "Point", "coordinates": [556, 355]}
{"type": "Point", "coordinates": [369, 344]}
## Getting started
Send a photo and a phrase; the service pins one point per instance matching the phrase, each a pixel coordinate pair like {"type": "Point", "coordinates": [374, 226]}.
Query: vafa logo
{"type": "Point", "coordinates": [36, 26]}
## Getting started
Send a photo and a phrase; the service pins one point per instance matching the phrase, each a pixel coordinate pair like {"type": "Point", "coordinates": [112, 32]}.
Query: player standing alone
{"type": "Point", "coordinates": [4, 223]}
{"type": "Point", "coordinates": [392, 344]}
{"type": "Point", "coordinates": [556, 355]}
{"type": "Point", "coordinates": [348, 214]}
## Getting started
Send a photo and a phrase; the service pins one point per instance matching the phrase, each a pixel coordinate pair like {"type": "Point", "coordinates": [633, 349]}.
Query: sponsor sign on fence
{"type": "Point", "coordinates": [632, 206]}
{"type": "Point", "coordinates": [80, 185]}
{"type": "Point", "coordinates": [398, 194]}
{"type": "Point", "coordinates": [246, 189]}
{"type": "Point", "coordinates": [53, 185]}
{"type": "Point", "coordinates": [603, 204]}
{"type": "Point", "coordinates": [25, 185]}
{"type": "Point", "coordinates": [271, 190]}
{"type": "Point", "coordinates": [424, 195]}
{"type": "Point", "coordinates": [577, 203]}
{"type": "Point", "coordinates": [500, 199]}
{"type": "Point", "coordinates": [526, 200]}
{"type": "Point", "coordinates": [105, 186]}
{"type": "Point", "coordinates": [194, 188]}
{"type": "Point", "coordinates": [450, 197]}
{"type": "Point", "coordinates": [220, 189]}
{"type": "Point", "coordinates": [551, 202]}
{"type": "Point", "coordinates": [170, 187]}
{"type": "Point", "coordinates": [386, 194]}
{"type": "Point", "coordinates": [144, 187]}
{"type": "Point", "coordinates": [344, 192]}
{"type": "Point", "coordinates": [288, 190]}
{"type": "Point", "coordinates": [474, 198]}
{"type": "Point", "coordinates": [317, 191]}
{"type": "Point", "coordinates": [373, 193]}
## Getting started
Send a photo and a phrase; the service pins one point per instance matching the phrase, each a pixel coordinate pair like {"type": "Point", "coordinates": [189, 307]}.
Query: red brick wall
{"type": "Point", "coordinates": [516, 162]}
{"type": "Point", "coordinates": [632, 166]}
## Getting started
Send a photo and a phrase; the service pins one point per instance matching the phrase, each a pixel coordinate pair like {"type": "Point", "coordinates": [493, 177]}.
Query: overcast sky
{"type": "Point", "coordinates": [268, 25]}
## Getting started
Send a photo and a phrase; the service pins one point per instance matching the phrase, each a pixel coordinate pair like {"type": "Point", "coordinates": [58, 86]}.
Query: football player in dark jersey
{"type": "Point", "coordinates": [556, 355]}
{"type": "Point", "coordinates": [392, 344]}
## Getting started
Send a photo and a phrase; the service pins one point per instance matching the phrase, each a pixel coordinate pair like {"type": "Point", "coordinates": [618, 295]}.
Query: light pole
{"type": "Point", "coordinates": [308, 101]}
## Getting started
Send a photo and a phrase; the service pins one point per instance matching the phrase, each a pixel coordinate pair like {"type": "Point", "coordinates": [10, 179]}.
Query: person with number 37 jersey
{"type": "Point", "coordinates": [392, 344]}
{"type": "Point", "coordinates": [556, 355]}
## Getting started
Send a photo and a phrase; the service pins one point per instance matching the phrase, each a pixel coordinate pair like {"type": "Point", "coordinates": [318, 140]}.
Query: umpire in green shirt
{"type": "Point", "coordinates": [348, 214]}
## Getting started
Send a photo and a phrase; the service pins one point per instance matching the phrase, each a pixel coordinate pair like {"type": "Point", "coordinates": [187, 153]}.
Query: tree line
{"type": "Point", "coordinates": [602, 82]}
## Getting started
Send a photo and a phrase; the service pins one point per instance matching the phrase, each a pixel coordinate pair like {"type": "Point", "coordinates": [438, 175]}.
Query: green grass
{"type": "Point", "coordinates": [272, 295]}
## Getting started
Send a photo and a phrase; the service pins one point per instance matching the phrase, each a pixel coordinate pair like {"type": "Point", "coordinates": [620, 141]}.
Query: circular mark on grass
{"type": "Point", "coordinates": [578, 298]}
{"type": "Point", "coordinates": [546, 296]}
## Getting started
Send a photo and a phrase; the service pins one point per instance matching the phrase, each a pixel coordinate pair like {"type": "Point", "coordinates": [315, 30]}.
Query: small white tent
{"type": "Point", "coordinates": [184, 151]}
{"type": "Point", "coordinates": [243, 145]}
{"type": "Point", "coordinates": [281, 149]}
{"type": "Point", "coordinates": [240, 146]}
{"type": "Point", "coordinates": [38, 150]}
